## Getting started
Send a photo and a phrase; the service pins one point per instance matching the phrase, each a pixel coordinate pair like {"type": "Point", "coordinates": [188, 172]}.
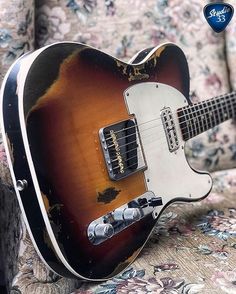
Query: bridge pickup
{"type": "Point", "coordinates": [122, 149]}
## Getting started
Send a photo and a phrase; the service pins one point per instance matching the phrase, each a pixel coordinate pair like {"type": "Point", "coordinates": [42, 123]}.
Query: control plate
{"type": "Point", "coordinates": [117, 220]}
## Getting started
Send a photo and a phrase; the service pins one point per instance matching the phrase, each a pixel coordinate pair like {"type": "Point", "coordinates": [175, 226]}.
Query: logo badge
{"type": "Point", "coordinates": [218, 15]}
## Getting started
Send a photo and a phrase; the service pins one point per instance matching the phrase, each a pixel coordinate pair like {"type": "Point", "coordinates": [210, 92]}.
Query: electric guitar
{"type": "Point", "coordinates": [96, 150]}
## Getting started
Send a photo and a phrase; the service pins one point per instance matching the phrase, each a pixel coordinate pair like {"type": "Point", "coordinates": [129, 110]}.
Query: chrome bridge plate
{"type": "Point", "coordinates": [124, 216]}
{"type": "Point", "coordinates": [170, 130]}
{"type": "Point", "coordinates": [122, 149]}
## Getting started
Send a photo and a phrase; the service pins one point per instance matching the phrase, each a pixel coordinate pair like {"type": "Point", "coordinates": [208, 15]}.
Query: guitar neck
{"type": "Point", "coordinates": [199, 117]}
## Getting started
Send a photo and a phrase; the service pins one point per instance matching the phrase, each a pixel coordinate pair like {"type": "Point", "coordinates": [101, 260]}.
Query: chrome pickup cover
{"type": "Point", "coordinates": [119, 219]}
{"type": "Point", "coordinates": [122, 149]}
{"type": "Point", "coordinates": [170, 130]}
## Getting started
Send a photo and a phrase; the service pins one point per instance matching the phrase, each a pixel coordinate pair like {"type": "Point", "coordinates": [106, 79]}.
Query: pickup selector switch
{"type": "Point", "coordinates": [127, 214]}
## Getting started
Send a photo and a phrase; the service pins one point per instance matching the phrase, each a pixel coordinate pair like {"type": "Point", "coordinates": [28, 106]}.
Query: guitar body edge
{"type": "Point", "coordinates": [19, 169]}
{"type": "Point", "coordinates": [78, 91]}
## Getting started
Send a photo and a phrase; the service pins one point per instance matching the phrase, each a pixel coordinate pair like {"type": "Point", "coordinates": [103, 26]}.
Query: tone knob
{"type": "Point", "coordinates": [127, 214]}
{"type": "Point", "coordinates": [103, 231]}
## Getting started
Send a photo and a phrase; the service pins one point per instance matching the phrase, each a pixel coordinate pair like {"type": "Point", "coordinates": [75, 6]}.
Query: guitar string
{"type": "Point", "coordinates": [163, 141]}
{"type": "Point", "coordinates": [210, 109]}
{"type": "Point", "coordinates": [161, 148]}
{"type": "Point", "coordinates": [194, 129]}
{"type": "Point", "coordinates": [139, 150]}
{"type": "Point", "coordinates": [141, 157]}
{"type": "Point", "coordinates": [206, 106]}
{"type": "Point", "coordinates": [163, 144]}
{"type": "Point", "coordinates": [217, 119]}
{"type": "Point", "coordinates": [191, 112]}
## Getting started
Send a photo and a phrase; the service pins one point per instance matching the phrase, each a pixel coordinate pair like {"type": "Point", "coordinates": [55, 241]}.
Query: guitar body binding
{"type": "Point", "coordinates": [57, 104]}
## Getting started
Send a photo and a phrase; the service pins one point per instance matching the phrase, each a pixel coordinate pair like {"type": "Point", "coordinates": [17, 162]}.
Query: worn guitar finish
{"type": "Point", "coordinates": [65, 94]}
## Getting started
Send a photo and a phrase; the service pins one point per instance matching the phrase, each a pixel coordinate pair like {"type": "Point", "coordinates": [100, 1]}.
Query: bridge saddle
{"type": "Point", "coordinates": [122, 149]}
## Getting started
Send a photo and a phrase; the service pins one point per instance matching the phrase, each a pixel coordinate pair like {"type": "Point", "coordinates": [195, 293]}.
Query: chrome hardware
{"type": "Point", "coordinates": [103, 231]}
{"type": "Point", "coordinates": [122, 149]}
{"type": "Point", "coordinates": [21, 185]}
{"type": "Point", "coordinates": [124, 216]}
{"type": "Point", "coordinates": [170, 130]}
{"type": "Point", "coordinates": [100, 232]}
{"type": "Point", "coordinates": [127, 214]}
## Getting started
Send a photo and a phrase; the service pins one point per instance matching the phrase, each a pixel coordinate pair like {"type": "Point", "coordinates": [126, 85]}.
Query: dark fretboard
{"type": "Point", "coordinates": [200, 117]}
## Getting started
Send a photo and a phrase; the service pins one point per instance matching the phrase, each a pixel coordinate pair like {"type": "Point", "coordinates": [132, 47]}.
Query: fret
{"type": "Point", "coordinates": [205, 123]}
{"type": "Point", "coordinates": [193, 118]}
{"type": "Point", "coordinates": [219, 111]}
{"type": "Point", "coordinates": [189, 121]}
{"type": "Point", "coordinates": [207, 114]}
{"type": "Point", "coordinates": [215, 111]}
{"type": "Point", "coordinates": [230, 98]}
{"type": "Point", "coordinates": [223, 109]}
{"type": "Point", "coordinates": [226, 108]}
{"type": "Point", "coordinates": [209, 109]}
{"type": "Point", "coordinates": [198, 118]}
{"type": "Point", "coordinates": [213, 115]}
{"type": "Point", "coordinates": [183, 121]}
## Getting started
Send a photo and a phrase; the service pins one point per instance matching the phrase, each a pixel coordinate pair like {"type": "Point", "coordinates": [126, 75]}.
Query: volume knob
{"type": "Point", "coordinates": [127, 214]}
{"type": "Point", "coordinates": [103, 231]}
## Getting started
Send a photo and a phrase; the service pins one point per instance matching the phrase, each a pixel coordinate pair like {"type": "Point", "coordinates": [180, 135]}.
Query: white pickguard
{"type": "Point", "coordinates": [168, 173]}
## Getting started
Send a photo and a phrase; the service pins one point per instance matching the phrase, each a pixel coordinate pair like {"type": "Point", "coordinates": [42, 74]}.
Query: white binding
{"type": "Point", "coordinates": [10, 165]}
{"type": "Point", "coordinates": [149, 54]}
{"type": "Point", "coordinates": [22, 77]}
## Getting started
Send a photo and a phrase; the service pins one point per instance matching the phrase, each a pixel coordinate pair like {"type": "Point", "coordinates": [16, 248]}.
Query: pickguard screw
{"type": "Point", "coordinates": [127, 94]}
{"type": "Point", "coordinates": [156, 86]}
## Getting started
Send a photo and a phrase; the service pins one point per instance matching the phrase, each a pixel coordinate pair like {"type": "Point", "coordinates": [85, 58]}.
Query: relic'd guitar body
{"type": "Point", "coordinates": [96, 150]}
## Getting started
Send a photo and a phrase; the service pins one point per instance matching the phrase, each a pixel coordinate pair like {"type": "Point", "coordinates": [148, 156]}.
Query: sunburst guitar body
{"type": "Point", "coordinates": [96, 151]}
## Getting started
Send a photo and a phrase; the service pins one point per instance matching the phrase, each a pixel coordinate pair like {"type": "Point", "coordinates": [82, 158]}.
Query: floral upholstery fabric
{"type": "Point", "coordinates": [16, 31]}
{"type": "Point", "coordinates": [192, 249]}
{"type": "Point", "coordinates": [231, 49]}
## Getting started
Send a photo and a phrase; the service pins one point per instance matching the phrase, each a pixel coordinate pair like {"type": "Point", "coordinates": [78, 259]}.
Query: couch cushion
{"type": "Point", "coordinates": [16, 31]}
